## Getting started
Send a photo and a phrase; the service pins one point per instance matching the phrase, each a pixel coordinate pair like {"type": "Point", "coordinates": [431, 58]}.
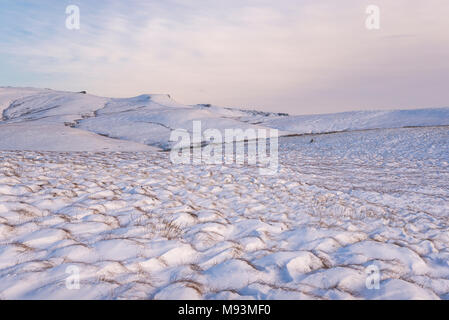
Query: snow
{"type": "Point", "coordinates": [137, 226]}
{"type": "Point", "coordinates": [42, 119]}
{"type": "Point", "coordinates": [361, 120]}
{"type": "Point", "coordinates": [51, 137]}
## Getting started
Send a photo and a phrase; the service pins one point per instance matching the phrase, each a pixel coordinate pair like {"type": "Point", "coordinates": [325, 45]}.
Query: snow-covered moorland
{"type": "Point", "coordinates": [85, 186]}
{"type": "Point", "coordinates": [44, 120]}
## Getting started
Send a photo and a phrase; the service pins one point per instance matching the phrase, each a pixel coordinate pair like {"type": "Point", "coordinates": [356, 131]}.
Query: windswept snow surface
{"type": "Point", "coordinates": [138, 227]}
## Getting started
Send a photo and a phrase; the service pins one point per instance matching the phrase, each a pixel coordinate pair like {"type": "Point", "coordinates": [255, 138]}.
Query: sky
{"type": "Point", "coordinates": [295, 56]}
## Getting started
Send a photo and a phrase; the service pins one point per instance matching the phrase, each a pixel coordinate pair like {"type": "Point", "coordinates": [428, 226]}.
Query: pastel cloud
{"type": "Point", "coordinates": [297, 56]}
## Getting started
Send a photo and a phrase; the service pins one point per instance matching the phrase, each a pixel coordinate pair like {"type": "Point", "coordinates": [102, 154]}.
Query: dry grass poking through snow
{"type": "Point", "coordinates": [138, 227]}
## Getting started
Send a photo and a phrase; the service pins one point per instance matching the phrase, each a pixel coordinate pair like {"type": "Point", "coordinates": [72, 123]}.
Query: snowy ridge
{"type": "Point", "coordinates": [361, 120]}
{"type": "Point", "coordinates": [147, 120]}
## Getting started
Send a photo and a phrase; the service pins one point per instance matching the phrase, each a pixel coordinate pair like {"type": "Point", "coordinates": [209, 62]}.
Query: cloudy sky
{"type": "Point", "coordinates": [297, 56]}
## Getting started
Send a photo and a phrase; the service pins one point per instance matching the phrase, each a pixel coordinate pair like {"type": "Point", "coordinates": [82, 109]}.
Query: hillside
{"type": "Point", "coordinates": [47, 120]}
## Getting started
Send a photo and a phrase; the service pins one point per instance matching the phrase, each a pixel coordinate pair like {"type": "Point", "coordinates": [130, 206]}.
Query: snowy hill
{"type": "Point", "coordinates": [362, 120]}
{"type": "Point", "coordinates": [43, 119]}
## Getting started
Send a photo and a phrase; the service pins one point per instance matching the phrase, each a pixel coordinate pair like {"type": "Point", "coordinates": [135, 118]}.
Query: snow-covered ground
{"type": "Point", "coordinates": [136, 226]}
{"type": "Point", "coordinates": [43, 119]}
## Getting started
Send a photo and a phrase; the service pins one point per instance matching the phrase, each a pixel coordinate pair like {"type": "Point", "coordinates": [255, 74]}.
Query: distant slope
{"type": "Point", "coordinates": [44, 119]}
{"type": "Point", "coordinates": [361, 120]}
